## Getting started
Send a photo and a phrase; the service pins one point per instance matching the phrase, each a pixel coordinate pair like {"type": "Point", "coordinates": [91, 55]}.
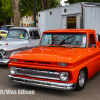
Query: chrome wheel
{"type": "Point", "coordinates": [81, 78]}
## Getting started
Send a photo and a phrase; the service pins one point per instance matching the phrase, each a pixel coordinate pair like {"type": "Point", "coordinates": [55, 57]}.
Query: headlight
{"type": "Point", "coordinates": [13, 70]}
{"type": "Point", "coordinates": [15, 60]}
{"type": "Point", "coordinates": [63, 76]}
{"type": "Point", "coordinates": [3, 52]}
{"type": "Point", "coordinates": [62, 64]}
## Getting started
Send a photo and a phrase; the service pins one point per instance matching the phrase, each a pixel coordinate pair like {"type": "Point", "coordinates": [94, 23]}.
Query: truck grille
{"type": "Point", "coordinates": [1, 56]}
{"type": "Point", "coordinates": [38, 73]}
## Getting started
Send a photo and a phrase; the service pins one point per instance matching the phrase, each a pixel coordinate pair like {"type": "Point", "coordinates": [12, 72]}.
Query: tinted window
{"type": "Point", "coordinates": [34, 34]}
{"type": "Point", "coordinates": [3, 32]}
{"type": "Point", "coordinates": [98, 37]}
{"type": "Point", "coordinates": [92, 40]}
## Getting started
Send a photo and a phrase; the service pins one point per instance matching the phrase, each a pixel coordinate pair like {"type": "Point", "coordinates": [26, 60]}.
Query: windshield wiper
{"type": "Point", "coordinates": [45, 45]}
{"type": "Point", "coordinates": [73, 46]}
{"type": "Point", "coordinates": [51, 45]}
{"type": "Point", "coordinates": [57, 46]}
{"type": "Point", "coordinates": [68, 46]}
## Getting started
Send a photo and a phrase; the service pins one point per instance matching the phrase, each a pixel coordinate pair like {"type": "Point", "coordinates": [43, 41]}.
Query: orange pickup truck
{"type": "Point", "coordinates": [64, 60]}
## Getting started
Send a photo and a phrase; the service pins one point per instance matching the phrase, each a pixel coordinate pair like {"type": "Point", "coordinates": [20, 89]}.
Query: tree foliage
{"type": "Point", "coordinates": [26, 7]}
{"type": "Point", "coordinates": [75, 1]}
{"type": "Point", "coordinates": [46, 4]}
{"type": "Point", "coordinates": [5, 10]}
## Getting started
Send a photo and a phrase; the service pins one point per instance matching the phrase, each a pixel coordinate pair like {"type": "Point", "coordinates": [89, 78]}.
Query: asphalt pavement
{"type": "Point", "coordinates": [90, 92]}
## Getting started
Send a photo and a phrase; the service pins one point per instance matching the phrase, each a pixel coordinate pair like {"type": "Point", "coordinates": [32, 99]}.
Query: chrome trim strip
{"type": "Point", "coordinates": [4, 61]}
{"type": "Point", "coordinates": [40, 83]}
{"type": "Point", "coordinates": [38, 71]}
{"type": "Point", "coordinates": [1, 55]}
{"type": "Point", "coordinates": [15, 52]}
{"type": "Point", "coordinates": [41, 71]}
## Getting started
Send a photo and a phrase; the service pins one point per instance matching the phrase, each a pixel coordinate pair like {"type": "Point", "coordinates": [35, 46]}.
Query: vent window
{"type": "Point", "coordinates": [64, 10]}
{"type": "Point", "coordinates": [50, 12]}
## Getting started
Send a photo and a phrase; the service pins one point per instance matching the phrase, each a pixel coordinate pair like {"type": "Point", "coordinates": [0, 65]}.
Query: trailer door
{"type": "Point", "coordinates": [71, 22]}
{"type": "Point", "coordinates": [64, 22]}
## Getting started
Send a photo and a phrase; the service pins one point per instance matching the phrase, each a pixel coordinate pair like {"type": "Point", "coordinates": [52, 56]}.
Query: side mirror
{"type": "Point", "coordinates": [93, 46]}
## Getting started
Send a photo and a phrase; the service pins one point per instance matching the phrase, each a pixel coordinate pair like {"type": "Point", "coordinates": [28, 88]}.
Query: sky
{"type": "Point", "coordinates": [62, 2]}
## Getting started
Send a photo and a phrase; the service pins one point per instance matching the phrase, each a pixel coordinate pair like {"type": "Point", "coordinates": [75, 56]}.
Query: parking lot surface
{"type": "Point", "coordinates": [90, 92]}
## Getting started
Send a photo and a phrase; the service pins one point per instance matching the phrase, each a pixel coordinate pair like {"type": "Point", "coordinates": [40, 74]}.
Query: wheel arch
{"type": "Point", "coordinates": [80, 86]}
{"type": "Point", "coordinates": [86, 72]}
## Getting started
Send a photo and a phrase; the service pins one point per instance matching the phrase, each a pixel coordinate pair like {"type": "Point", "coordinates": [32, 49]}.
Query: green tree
{"type": "Point", "coordinates": [26, 7]}
{"type": "Point", "coordinates": [5, 11]}
{"type": "Point", "coordinates": [46, 4]}
{"type": "Point", "coordinates": [75, 1]}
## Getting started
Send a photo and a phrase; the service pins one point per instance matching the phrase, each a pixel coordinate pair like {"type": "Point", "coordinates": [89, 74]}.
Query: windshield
{"type": "Point", "coordinates": [18, 34]}
{"type": "Point", "coordinates": [77, 40]}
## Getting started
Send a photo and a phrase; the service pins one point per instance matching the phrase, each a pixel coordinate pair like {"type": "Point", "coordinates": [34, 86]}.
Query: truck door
{"type": "Point", "coordinates": [34, 38]}
{"type": "Point", "coordinates": [94, 52]}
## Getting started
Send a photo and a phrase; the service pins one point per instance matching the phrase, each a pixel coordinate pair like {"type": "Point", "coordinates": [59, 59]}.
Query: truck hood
{"type": "Point", "coordinates": [51, 54]}
{"type": "Point", "coordinates": [9, 43]}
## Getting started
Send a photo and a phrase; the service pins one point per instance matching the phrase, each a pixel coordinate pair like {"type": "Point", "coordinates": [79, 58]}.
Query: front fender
{"type": "Point", "coordinates": [15, 52]}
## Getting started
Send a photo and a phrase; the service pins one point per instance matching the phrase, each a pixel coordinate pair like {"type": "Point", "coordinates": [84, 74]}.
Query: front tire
{"type": "Point", "coordinates": [81, 80]}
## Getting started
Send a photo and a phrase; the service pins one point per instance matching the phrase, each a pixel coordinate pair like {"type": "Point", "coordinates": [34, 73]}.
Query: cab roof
{"type": "Point", "coordinates": [70, 31]}
{"type": "Point", "coordinates": [26, 28]}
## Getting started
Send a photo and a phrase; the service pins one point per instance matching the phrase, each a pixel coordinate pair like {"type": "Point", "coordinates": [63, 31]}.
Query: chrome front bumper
{"type": "Point", "coordinates": [40, 83]}
{"type": "Point", "coordinates": [4, 61]}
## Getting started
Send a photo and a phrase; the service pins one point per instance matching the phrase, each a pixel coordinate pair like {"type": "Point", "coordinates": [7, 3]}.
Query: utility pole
{"type": "Point", "coordinates": [34, 13]}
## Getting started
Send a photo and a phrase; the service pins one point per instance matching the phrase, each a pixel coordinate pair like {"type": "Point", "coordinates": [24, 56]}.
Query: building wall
{"type": "Point", "coordinates": [28, 21]}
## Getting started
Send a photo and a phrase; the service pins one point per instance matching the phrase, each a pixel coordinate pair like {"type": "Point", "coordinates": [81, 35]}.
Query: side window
{"type": "Point", "coordinates": [31, 34]}
{"type": "Point", "coordinates": [92, 40]}
{"type": "Point", "coordinates": [34, 34]}
{"type": "Point", "coordinates": [3, 32]}
{"type": "Point", "coordinates": [99, 38]}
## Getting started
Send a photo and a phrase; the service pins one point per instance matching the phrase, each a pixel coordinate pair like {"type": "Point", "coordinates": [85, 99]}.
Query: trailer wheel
{"type": "Point", "coordinates": [81, 80]}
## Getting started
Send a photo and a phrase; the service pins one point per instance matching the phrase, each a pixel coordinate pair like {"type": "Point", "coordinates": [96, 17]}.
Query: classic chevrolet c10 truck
{"type": "Point", "coordinates": [64, 60]}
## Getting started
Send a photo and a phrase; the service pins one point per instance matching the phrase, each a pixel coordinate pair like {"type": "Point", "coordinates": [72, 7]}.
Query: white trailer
{"type": "Point", "coordinates": [83, 15]}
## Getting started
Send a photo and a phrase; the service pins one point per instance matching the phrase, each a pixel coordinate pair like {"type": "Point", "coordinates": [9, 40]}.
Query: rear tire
{"type": "Point", "coordinates": [81, 80]}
